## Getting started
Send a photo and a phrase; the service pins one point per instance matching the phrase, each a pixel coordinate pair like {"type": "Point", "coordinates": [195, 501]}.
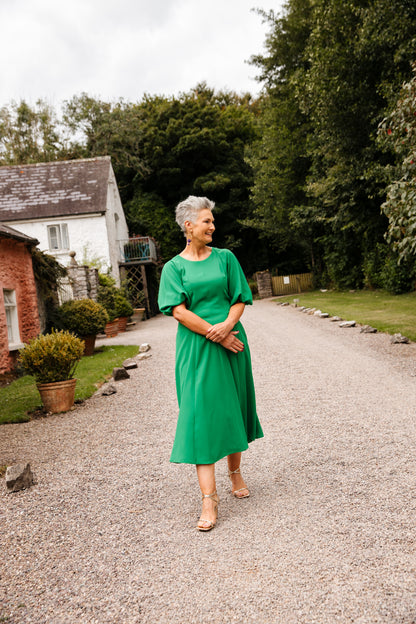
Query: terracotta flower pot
{"type": "Point", "coordinates": [89, 344]}
{"type": "Point", "coordinates": [57, 396]}
{"type": "Point", "coordinates": [139, 314]}
{"type": "Point", "coordinates": [122, 323]}
{"type": "Point", "coordinates": [111, 329]}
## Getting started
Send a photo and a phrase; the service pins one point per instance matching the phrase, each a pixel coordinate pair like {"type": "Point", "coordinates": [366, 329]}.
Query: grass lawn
{"type": "Point", "coordinates": [387, 313]}
{"type": "Point", "coordinates": [21, 396]}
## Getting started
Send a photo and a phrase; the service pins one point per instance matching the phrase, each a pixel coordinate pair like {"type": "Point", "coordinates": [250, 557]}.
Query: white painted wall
{"type": "Point", "coordinates": [87, 237]}
{"type": "Point", "coordinates": [116, 223]}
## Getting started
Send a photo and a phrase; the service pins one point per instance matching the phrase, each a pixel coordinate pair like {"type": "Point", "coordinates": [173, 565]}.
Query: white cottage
{"type": "Point", "coordinates": [68, 206]}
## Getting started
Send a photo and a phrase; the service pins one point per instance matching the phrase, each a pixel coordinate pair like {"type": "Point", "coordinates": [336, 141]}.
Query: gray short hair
{"type": "Point", "coordinates": [189, 209]}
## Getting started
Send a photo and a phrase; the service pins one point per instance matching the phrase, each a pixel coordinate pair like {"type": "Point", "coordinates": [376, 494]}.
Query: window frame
{"type": "Point", "coordinates": [62, 236]}
{"type": "Point", "coordinates": [12, 319]}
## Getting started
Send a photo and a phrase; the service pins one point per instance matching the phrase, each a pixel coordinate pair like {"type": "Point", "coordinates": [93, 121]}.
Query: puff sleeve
{"type": "Point", "coordinates": [171, 289]}
{"type": "Point", "coordinates": [238, 288]}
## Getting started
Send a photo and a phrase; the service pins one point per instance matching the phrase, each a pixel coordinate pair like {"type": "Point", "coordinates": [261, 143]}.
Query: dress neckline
{"type": "Point", "coordinates": [197, 261]}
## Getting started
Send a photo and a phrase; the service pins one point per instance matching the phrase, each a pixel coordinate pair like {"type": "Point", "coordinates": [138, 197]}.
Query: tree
{"type": "Point", "coordinates": [194, 144]}
{"type": "Point", "coordinates": [397, 132]}
{"type": "Point", "coordinates": [28, 134]}
{"type": "Point", "coordinates": [279, 158]}
{"type": "Point", "coordinates": [337, 64]}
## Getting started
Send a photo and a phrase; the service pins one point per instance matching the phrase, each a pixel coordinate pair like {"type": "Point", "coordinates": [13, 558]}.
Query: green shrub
{"type": "Point", "coordinates": [123, 307]}
{"type": "Point", "coordinates": [398, 278]}
{"type": "Point", "coordinates": [83, 317]}
{"type": "Point", "coordinates": [48, 274]}
{"type": "Point", "coordinates": [112, 298]}
{"type": "Point", "coordinates": [52, 357]}
{"type": "Point", "coordinates": [373, 264]}
{"type": "Point", "coordinates": [107, 291]}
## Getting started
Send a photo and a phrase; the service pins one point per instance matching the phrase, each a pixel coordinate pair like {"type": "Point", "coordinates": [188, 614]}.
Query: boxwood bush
{"type": "Point", "coordinates": [83, 317]}
{"type": "Point", "coordinates": [52, 357]}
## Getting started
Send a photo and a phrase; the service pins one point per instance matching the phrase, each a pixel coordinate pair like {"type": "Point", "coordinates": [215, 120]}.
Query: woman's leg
{"type": "Point", "coordinates": [237, 480]}
{"type": "Point", "coordinates": [206, 478]}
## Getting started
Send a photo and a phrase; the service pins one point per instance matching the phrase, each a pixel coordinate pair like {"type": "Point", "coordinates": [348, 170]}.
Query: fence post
{"type": "Point", "coordinates": [264, 284]}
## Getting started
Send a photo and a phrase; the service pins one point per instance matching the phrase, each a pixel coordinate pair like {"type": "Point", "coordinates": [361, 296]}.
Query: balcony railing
{"type": "Point", "coordinates": [138, 249]}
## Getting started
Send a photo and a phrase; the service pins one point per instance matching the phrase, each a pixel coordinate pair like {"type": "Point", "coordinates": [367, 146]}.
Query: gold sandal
{"type": "Point", "coordinates": [211, 525]}
{"type": "Point", "coordinates": [236, 493]}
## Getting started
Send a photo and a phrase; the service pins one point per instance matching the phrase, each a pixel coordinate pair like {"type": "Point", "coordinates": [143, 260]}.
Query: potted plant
{"type": "Point", "coordinates": [139, 310]}
{"type": "Point", "coordinates": [124, 310]}
{"type": "Point", "coordinates": [85, 318]}
{"type": "Point", "coordinates": [107, 291]}
{"type": "Point", "coordinates": [52, 359]}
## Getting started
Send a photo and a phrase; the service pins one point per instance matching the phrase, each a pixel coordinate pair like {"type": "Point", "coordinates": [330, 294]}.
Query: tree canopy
{"type": "Point", "coordinates": [397, 132]}
{"type": "Point", "coordinates": [331, 71]}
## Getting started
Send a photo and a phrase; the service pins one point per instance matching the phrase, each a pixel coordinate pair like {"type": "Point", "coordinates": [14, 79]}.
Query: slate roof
{"type": "Point", "coordinates": [8, 232]}
{"type": "Point", "coordinates": [55, 189]}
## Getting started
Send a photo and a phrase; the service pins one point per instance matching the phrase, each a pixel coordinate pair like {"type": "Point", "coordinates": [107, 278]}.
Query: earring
{"type": "Point", "coordinates": [188, 242]}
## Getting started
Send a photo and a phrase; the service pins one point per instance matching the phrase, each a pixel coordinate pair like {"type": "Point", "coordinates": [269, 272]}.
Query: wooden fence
{"type": "Point", "coordinates": [289, 284]}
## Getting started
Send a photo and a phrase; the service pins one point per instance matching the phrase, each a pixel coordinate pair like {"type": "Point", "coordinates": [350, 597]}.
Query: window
{"type": "Point", "coordinates": [11, 317]}
{"type": "Point", "coordinates": [58, 237]}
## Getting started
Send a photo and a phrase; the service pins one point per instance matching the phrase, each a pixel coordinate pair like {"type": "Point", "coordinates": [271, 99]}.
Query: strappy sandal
{"type": "Point", "coordinates": [237, 493]}
{"type": "Point", "coordinates": [210, 524]}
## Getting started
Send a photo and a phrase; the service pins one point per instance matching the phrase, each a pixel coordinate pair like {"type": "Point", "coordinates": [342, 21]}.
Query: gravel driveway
{"type": "Point", "coordinates": [328, 535]}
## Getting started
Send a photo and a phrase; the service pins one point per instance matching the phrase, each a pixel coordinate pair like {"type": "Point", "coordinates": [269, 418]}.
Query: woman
{"type": "Point", "coordinates": [205, 289]}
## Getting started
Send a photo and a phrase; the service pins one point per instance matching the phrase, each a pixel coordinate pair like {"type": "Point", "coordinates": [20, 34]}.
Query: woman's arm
{"type": "Point", "coordinates": [219, 331]}
{"type": "Point", "coordinates": [197, 324]}
{"type": "Point", "coordinates": [191, 320]}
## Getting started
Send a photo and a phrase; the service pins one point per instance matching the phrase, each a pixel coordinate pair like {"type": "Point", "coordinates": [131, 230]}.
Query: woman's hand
{"type": "Point", "coordinates": [219, 331]}
{"type": "Point", "coordinates": [232, 343]}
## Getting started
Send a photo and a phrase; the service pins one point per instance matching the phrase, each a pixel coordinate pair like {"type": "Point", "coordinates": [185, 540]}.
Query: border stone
{"type": "Point", "coordinates": [19, 477]}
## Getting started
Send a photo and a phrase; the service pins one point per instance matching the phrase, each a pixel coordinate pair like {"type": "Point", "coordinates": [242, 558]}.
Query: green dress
{"type": "Point", "coordinates": [217, 405]}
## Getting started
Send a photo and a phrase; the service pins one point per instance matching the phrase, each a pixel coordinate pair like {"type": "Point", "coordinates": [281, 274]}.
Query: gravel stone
{"type": "Point", "coordinates": [120, 373]}
{"type": "Point", "coordinates": [399, 339]}
{"type": "Point", "coordinates": [327, 536]}
{"type": "Point", "coordinates": [19, 477]}
{"type": "Point", "coordinates": [367, 329]}
{"type": "Point", "coordinates": [129, 364]}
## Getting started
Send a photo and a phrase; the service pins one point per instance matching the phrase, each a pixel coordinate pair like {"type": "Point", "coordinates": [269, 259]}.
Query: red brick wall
{"type": "Point", "coordinates": [16, 273]}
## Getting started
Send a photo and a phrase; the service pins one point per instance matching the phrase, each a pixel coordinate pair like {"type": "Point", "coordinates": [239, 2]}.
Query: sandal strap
{"type": "Point", "coordinates": [236, 471]}
{"type": "Point", "coordinates": [202, 520]}
{"type": "Point", "coordinates": [240, 490]}
{"type": "Point", "coordinates": [210, 496]}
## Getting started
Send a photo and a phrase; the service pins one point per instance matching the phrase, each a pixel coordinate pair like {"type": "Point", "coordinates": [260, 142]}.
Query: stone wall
{"type": "Point", "coordinates": [264, 284]}
{"type": "Point", "coordinates": [84, 281]}
{"type": "Point", "coordinates": [16, 273]}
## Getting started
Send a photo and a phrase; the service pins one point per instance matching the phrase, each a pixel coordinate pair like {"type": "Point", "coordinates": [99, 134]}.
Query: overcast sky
{"type": "Point", "coordinates": [54, 49]}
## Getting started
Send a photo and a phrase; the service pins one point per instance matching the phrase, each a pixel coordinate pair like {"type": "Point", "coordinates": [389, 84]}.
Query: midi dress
{"type": "Point", "coordinates": [215, 389]}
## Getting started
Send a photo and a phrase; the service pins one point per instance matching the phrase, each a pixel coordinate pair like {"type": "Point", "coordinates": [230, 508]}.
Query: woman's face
{"type": "Point", "coordinates": [203, 228]}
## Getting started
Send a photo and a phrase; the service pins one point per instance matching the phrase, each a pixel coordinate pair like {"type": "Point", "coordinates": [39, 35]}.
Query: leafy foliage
{"type": "Point", "coordinates": [106, 296]}
{"type": "Point", "coordinates": [338, 66]}
{"type": "Point", "coordinates": [397, 132]}
{"type": "Point", "coordinates": [83, 317]}
{"type": "Point", "coordinates": [278, 157]}
{"type": "Point", "coordinates": [52, 357]}
{"type": "Point", "coordinates": [48, 273]}
{"type": "Point", "coordinates": [164, 149]}
{"type": "Point", "coordinates": [123, 306]}
{"type": "Point", "coordinates": [28, 134]}
{"type": "Point", "coordinates": [113, 299]}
